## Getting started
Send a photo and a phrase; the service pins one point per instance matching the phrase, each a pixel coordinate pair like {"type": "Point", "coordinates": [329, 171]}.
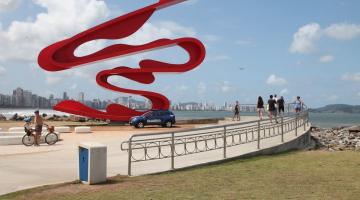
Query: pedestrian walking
{"type": "Point", "coordinates": [299, 104]}
{"type": "Point", "coordinates": [237, 111]}
{"type": "Point", "coordinates": [272, 109]}
{"type": "Point", "coordinates": [260, 107]}
{"type": "Point", "coordinates": [276, 99]}
{"type": "Point", "coordinates": [281, 105]}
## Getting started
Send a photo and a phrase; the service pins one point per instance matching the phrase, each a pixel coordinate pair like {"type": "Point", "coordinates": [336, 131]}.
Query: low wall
{"type": "Point", "coordinates": [199, 121]}
{"type": "Point", "coordinates": [15, 138]}
{"type": "Point", "coordinates": [302, 142]}
{"type": "Point", "coordinates": [178, 122]}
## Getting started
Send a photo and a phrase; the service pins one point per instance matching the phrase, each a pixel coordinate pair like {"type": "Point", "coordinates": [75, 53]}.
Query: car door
{"type": "Point", "coordinates": [154, 118]}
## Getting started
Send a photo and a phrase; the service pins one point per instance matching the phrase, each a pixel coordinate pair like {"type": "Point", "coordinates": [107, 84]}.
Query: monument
{"type": "Point", "coordinates": [60, 56]}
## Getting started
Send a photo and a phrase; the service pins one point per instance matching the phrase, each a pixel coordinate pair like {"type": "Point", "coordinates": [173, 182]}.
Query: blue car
{"type": "Point", "coordinates": [163, 118]}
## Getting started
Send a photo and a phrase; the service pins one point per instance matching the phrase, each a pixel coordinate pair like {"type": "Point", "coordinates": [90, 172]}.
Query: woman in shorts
{"type": "Point", "coordinates": [298, 104]}
{"type": "Point", "coordinates": [260, 107]}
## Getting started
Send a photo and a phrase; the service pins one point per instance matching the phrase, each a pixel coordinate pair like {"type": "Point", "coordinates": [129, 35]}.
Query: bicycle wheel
{"type": "Point", "coordinates": [28, 140]}
{"type": "Point", "coordinates": [51, 138]}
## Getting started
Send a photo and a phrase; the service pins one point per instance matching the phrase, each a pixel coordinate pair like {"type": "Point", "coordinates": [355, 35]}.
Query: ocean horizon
{"type": "Point", "coordinates": [323, 120]}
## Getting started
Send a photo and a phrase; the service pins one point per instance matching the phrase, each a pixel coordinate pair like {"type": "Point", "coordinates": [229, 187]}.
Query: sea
{"type": "Point", "coordinates": [323, 120]}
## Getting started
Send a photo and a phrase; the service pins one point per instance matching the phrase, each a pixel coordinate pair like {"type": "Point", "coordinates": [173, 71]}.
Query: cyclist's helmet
{"type": "Point", "coordinates": [27, 119]}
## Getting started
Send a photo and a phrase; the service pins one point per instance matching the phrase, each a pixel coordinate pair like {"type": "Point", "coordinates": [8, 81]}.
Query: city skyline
{"type": "Point", "coordinates": [254, 48]}
{"type": "Point", "coordinates": [22, 98]}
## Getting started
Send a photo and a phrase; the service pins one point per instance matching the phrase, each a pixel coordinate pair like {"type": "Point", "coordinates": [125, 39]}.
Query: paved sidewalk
{"type": "Point", "coordinates": [26, 167]}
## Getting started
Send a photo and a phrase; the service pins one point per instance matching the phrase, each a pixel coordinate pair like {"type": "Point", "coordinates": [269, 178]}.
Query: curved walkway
{"type": "Point", "coordinates": [158, 152]}
{"type": "Point", "coordinates": [26, 167]}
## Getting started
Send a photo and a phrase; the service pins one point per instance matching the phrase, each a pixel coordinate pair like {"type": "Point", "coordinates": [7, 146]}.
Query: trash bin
{"type": "Point", "coordinates": [92, 162]}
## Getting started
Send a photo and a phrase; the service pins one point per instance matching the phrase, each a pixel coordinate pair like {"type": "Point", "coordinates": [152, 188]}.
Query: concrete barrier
{"type": "Point", "coordinates": [12, 133]}
{"type": "Point", "coordinates": [302, 142]}
{"type": "Point", "coordinates": [10, 140]}
{"type": "Point", "coordinates": [199, 121]}
{"type": "Point", "coordinates": [62, 129]}
{"type": "Point", "coordinates": [15, 138]}
{"type": "Point", "coordinates": [83, 129]}
{"type": "Point", "coordinates": [17, 129]}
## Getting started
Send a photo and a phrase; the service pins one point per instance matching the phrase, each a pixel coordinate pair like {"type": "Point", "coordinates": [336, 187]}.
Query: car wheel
{"type": "Point", "coordinates": [140, 125]}
{"type": "Point", "coordinates": [168, 124]}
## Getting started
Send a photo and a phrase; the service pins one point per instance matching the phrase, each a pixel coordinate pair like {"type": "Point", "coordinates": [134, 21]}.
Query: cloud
{"type": "Point", "coordinates": [2, 70]}
{"type": "Point", "coordinates": [217, 58]}
{"type": "Point", "coordinates": [190, 2]}
{"type": "Point", "coordinates": [175, 29]}
{"type": "Point", "coordinates": [333, 97]}
{"type": "Point", "coordinates": [351, 77]}
{"type": "Point", "coordinates": [326, 58]}
{"type": "Point", "coordinates": [304, 38]}
{"type": "Point", "coordinates": [244, 42]}
{"type": "Point", "coordinates": [51, 80]}
{"type": "Point", "coordinates": [9, 5]}
{"type": "Point", "coordinates": [275, 80]}
{"type": "Point", "coordinates": [343, 31]}
{"type": "Point", "coordinates": [49, 27]}
{"type": "Point", "coordinates": [73, 86]}
{"type": "Point", "coordinates": [90, 47]}
{"type": "Point", "coordinates": [284, 91]}
{"type": "Point", "coordinates": [299, 62]}
{"type": "Point", "coordinates": [183, 88]}
{"type": "Point", "coordinates": [358, 94]}
{"type": "Point", "coordinates": [226, 87]}
{"type": "Point", "coordinates": [201, 88]}
{"type": "Point", "coordinates": [211, 38]}
{"type": "Point", "coordinates": [147, 33]}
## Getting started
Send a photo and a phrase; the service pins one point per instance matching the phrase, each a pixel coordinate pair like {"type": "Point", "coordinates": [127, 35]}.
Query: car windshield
{"type": "Point", "coordinates": [148, 114]}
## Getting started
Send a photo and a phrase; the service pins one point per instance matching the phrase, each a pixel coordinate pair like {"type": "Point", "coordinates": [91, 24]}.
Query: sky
{"type": "Point", "coordinates": [254, 48]}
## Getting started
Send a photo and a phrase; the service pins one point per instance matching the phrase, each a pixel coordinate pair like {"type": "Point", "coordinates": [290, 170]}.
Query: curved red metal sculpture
{"type": "Point", "coordinates": [60, 56]}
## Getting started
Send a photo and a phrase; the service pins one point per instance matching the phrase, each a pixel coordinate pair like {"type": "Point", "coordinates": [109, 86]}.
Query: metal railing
{"type": "Point", "coordinates": [154, 146]}
{"type": "Point", "coordinates": [251, 108]}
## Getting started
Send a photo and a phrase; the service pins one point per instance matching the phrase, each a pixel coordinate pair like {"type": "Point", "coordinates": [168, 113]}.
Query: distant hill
{"type": "Point", "coordinates": [337, 108]}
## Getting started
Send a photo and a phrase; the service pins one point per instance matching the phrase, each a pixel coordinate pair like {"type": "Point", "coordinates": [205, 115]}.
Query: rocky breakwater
{"type": "Point", "coordinates": [337, 139]}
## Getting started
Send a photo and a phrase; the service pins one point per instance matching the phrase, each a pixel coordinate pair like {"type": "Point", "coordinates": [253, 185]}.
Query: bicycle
{"type": "Point", "coordinates": [50, 137]}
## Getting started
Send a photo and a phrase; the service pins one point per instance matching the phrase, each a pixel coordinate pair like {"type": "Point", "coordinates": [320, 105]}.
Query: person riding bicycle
{"type": "Point", "coordinates": [29, 139]}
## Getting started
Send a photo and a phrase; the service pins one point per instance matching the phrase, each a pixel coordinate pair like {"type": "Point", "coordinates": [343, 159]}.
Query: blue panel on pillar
{"type": "Point", "coordinates": [84, 164]}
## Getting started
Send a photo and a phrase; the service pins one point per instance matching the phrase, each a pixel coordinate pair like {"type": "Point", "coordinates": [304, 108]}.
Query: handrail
{"type": "Point", "coordinates": [205, 128]}
{"type": "Point", "coordinates": [168, 144]}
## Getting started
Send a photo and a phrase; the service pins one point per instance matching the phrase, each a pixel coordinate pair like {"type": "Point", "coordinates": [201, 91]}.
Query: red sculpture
{"type": "Point", "coordinates": [60, 56]}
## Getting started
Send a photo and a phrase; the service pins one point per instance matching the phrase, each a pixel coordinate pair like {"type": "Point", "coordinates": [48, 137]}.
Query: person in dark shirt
{"type": "Point", "coordinates": [237, 111]}
{"type": "Point", "coordinates": [260, 107]}
{"type": "Point", "coordinates": [272, 109]}
{"type": "Point", "coordinates": [281, 105]}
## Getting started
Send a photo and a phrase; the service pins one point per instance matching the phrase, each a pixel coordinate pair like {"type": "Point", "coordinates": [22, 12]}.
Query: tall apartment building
{"type": "Point", "coordinates": [81, 97]}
